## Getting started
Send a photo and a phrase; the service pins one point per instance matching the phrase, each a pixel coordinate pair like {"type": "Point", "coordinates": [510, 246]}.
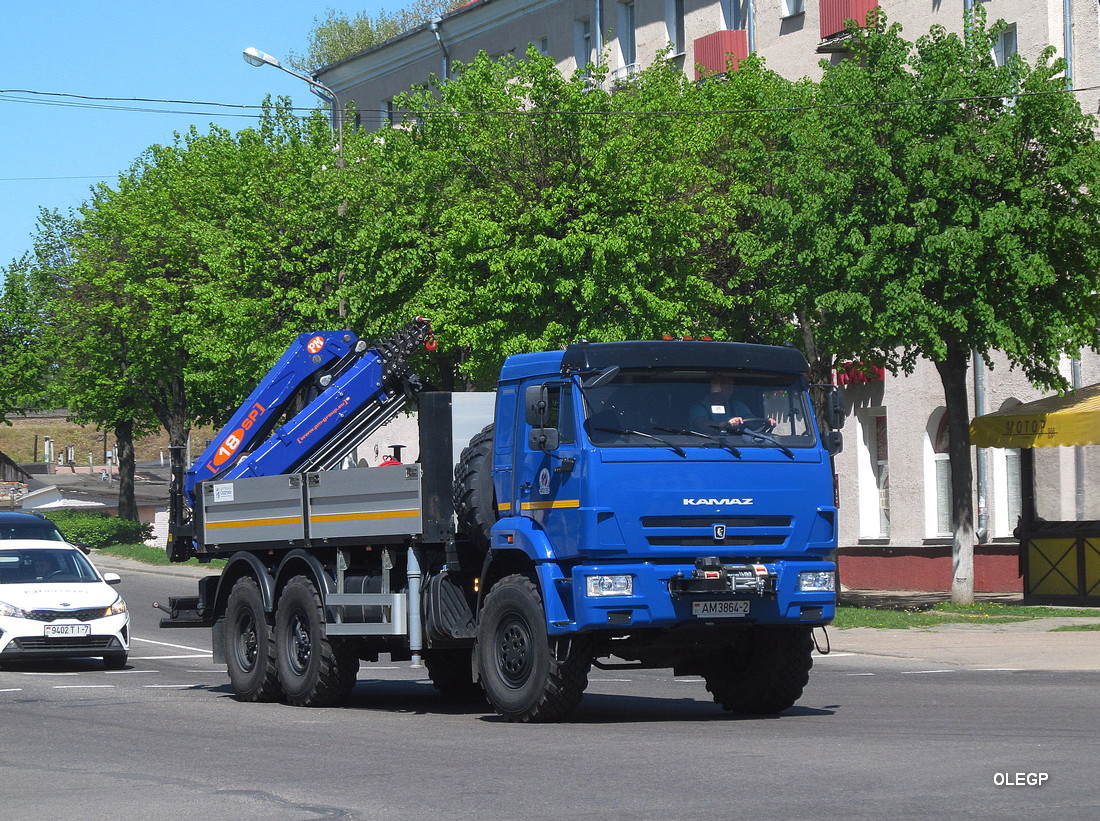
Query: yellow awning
{"type": "Point", "coordinates": [1072, 419]}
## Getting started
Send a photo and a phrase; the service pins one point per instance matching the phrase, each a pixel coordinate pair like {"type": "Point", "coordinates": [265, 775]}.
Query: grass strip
{"type": "Point", "coordinates": [948, 613]}
{"type": "Point", "coordinates": [147, 554]}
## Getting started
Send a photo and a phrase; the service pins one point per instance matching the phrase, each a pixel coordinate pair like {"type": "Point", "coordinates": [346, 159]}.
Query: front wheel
{"type": "Point", "coordinates": [250, 648]}
{"type": "Point", "coordinates": [314, 670]}
{"type": "Point", "coordinates": [768, 677]}
{"type": "Point", "coordinates": [526, 675]}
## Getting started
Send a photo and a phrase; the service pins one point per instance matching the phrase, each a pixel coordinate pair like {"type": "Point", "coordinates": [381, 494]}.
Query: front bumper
{"type": "Point", "coordinates": [26, 638]}
{"type": "Point", "coordinates": [663, 597]}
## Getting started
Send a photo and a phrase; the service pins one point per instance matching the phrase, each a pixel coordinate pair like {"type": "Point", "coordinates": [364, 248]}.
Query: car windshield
{"type": "Point", "coordinates": [30, 530]}
{"type": "Point", "coordinates": [41, 565]}
{"type": "Point", "coordinates": [699, 409]}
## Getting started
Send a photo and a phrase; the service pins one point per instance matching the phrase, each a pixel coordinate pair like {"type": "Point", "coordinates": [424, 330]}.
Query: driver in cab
{"type": "Point", "coordinates": [721, 408]}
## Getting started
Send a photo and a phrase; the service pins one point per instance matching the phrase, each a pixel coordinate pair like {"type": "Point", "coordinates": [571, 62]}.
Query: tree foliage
{"type": "Point", "coordinates": [338, 36]}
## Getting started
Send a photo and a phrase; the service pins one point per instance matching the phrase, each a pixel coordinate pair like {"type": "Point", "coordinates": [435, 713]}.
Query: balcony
{"type": "Point", "coordinates": [835, 12]}
{"type": "Point", "coordinates": [713, 53]}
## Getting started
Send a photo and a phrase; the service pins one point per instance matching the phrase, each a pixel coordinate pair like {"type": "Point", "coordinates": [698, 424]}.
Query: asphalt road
{"type": "Point", "coordinates": [873, 737]}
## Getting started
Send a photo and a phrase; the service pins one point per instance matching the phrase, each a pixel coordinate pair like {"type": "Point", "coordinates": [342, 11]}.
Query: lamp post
{"type": "Point", "coordinates": [255, 57]}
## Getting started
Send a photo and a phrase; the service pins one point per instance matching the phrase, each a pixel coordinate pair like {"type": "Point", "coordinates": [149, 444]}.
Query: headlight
{"type": "Point", "coordinates": [817, 581]}
{"type": "Point", "coordinates": [610, 585]}
{"type": "Point", "coordinates": [116, 608]}
{"type": "Point", "coordinates": [14, 612]}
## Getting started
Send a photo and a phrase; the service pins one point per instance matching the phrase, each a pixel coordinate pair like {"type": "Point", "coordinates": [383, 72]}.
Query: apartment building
{"type": "Point", "coordinates": [893, 474]}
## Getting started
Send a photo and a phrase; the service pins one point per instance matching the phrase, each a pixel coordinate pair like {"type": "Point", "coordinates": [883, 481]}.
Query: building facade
{"type": "Point", "coordinates": [893, 474]}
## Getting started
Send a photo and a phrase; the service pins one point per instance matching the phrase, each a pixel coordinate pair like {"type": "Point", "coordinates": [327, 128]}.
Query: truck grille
{"type": "Point", "coordinates": [88, 614]}
{"type": "Point", "coordinates": [698, 531]}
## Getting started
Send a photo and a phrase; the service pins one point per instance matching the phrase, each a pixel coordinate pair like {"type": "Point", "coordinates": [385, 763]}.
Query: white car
{"type": "Point", "coordinates": [55, 604]}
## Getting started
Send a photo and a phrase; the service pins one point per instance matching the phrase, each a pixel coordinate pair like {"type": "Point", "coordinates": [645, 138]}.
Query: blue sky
{"type": "Point", "coordinates": [51, 151]}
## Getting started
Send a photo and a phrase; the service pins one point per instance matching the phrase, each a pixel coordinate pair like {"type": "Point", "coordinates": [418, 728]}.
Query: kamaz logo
{"type": "Point", "coordinates": [716, 502]}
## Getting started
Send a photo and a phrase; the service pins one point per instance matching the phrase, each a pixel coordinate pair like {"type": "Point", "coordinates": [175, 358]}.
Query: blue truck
{"type": "Point", "coordinates": [645, 504]}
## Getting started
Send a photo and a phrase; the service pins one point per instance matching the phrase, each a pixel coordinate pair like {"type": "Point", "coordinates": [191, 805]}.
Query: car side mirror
{"type": "Point", "coordinates": [834, 409]}
{"type": "Point", "coordinates": [112, 578]}
{"type": "Point", "coordinates": [834, 442]}
{"type": "Point", "coordinates": [543, 439]}
{"type": "Point", "coordinates": [536, 399]}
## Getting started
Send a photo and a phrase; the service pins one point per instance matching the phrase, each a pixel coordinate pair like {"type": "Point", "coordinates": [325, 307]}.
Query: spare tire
{"type": "Point", "coordinates": [474, 498]}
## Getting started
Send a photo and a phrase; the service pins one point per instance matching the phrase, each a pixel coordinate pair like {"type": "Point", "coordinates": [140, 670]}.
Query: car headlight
{"type": "Point", "coordinates": [817, 581]}
{"type": "Point", "coordinates": [11, 611]}
{"type": "Point", "coordinates": [610, 585]}
{"type": "Point", "coordinates": [116, 608]}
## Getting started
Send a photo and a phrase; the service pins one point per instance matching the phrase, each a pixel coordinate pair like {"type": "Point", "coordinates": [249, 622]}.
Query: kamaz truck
{"type": "Point", "coordinates": [645, 504]}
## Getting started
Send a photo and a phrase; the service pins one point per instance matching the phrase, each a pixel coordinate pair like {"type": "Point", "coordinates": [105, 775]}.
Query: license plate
{"type": "Point", "coordinates": [57, 631]}
{"type": "Point", "coordinates": [720, 609]}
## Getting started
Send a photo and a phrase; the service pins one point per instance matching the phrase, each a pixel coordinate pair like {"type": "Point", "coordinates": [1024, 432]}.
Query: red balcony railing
{"type": "Point", "coordinates": [835, 12]}
{"type": "Point", "coordinates": [713, 52]}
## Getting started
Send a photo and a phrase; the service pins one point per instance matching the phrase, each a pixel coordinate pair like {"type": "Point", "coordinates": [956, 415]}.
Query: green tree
{"type": "Point", "coordinates": [525, 210]}
{"type": "Point", "coordinates": [338, 36]}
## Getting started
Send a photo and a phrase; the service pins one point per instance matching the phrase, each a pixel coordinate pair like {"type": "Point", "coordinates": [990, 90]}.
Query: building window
{"type": "Point", "coordinates": [628, 44]}
{"type": "Point", "coordinates": [582, 43]}
{"type": "Point", "coordinates": [1005, 46]}
{"type": "Point", "coordinates": [544, 46]}
{"type": "Point", "coordinates": [873, 475]}
{"type": "Point", "coordinates": [733, 13]}
{"type": "Point", "coordinates": [941, 478]}
{"type": "Point", "coordinates": [792, 8]}
{"type": "Point", "coordinates": [674, 25]}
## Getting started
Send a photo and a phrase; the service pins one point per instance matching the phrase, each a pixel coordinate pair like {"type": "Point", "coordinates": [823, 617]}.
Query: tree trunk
{"type": "Point", "coordinates": [124, 448]}
{"type": "Point", "coordinates": [173, 416]}
{"type": "Point", "coordinates": [953, 371]}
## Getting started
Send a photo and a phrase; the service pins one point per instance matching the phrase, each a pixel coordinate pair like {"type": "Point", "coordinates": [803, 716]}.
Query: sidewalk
{"type": "Point", "coordinates": [1025, 645]}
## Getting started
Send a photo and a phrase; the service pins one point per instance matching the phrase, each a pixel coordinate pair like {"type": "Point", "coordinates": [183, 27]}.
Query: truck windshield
{"type": "Point", "coordinates": [699, 409]}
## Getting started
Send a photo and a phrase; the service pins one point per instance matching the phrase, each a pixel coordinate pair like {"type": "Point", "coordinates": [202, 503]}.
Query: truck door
{"type": "Point", "coordinates": [547, 483]}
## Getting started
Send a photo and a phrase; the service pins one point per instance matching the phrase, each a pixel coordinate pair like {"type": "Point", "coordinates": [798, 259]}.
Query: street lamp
{"type": "Point", "coordinates": [255, 57]}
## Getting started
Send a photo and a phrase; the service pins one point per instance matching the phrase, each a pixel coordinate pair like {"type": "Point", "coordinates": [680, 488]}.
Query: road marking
{"type": "Point", "coordinates": [158, 658]}
{"type": "Point", "coordinates": [12, 690]}
{"type": "Point", "coordinates": [1001, 669]}
{"type": "Point", "coordinates": [128, 672]}
{"type": "Point", "coordinates": [166, 644]}
{"type": "Point", "coordinates": [84, 687]}
{"type": "Point", "coordinates": [832, 655]}
{"type": "Point", "coordinates": [609, 680]}
{"type": "Point", "coordinates": [860, 674]}
{"type": "Point", "coordinates": [921, 672]}
{"type": "Point", "coordinates": [51, 674]}
{"type": "Point", "coordinates": [169, 686]}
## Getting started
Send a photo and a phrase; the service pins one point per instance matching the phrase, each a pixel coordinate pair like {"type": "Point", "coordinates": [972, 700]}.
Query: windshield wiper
{"type": "Point", "coordinates": [755, 434]}
{"type": "Point", "coordinates": [707, 436]}
{"type": "Point", "coordinates": [679, 451]}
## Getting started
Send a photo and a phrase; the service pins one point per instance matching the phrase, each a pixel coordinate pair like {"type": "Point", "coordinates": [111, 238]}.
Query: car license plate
{"type": "Point", "coordinates": [720, 609]}
{"type": "Point", "coordinates": [57, 631]}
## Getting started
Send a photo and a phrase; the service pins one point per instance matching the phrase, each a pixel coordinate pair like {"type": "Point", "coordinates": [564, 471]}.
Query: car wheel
{"type": "Point", "coordinates": [526, 675]}
{"type": "Point", "coordinates": [314, 670]}
{"type": "Point", "coordinates": [250, 646]}
{"type": "Point", "coordinates": [115, 661]}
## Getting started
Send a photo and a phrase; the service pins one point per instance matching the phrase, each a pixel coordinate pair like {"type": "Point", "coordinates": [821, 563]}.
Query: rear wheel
{"type": "Point", "coordinates": [250, 648]}
{"type": "Point", "coordinates": [768, 677]}
{"type": "Point", "coordinates": [315, 671]}
{"type": "Point", "coordinates": [526, 675]}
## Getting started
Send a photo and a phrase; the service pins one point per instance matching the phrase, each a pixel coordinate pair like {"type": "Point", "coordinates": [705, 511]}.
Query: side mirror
{"type": "Point", "coordinates": [834, 442]}
{"type": "Point", "coordinates": [834, 408]}
{"type": "Point", "coordinates": [112, 578]}
{"type": "Point", "coordinates": [536, 399]}
{"type": "Point", "coordinates": [543, 439]}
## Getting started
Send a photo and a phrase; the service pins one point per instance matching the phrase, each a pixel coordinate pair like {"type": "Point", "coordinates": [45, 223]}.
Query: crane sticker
{"type": "Point", "coordinates": [316, 344]}
{"type": "Point", "coordinates": [544, 482]}
{"type": "Point", "coordinates": [233, 441]}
